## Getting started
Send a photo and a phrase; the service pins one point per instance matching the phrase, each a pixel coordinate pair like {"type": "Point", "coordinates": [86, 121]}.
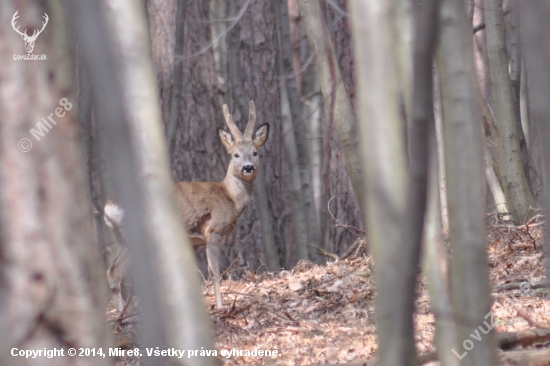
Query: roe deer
{"type": "Point", "coordinates": [209, 210]}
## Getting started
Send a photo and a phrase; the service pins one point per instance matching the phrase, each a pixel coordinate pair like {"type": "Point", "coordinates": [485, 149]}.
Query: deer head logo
{"type": "Point", "coordinates": [29, 41]}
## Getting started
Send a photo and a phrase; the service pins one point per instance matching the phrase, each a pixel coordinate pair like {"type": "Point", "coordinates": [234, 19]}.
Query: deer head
{"type": "Point", "coordinates": [29, 41]}
{"type": "Point", "coordinates": [243, 148]}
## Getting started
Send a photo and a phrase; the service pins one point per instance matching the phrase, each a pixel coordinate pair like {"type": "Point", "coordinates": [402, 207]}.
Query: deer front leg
{"type": "Point", "coordinates": [213, 254]}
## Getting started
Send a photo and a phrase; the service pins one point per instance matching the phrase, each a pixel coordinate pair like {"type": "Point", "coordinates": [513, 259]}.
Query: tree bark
{"type": "Point", "coordinates": [334, 92]}
{"type": "Point", "coordinates": [514, 51]}
{"type": "Point", "coordinates": [338, 22]}
{"type": "Point", "coordinates": [258, 55]}
{"type": "Point", "coordinates": [497, 193]}
{"type": "Point", "coordinates": [51, 269]}
{"type": "Point", "coordinates": [197, 152]}
{"type": "Point", "coordinates": [85, 117]}
{"type": "Point", "coordinates": [514, 180]}
{"type": "Point", "coordinates": [406, 34]}
{"type": "Point", "coordinates": [344, 205]}
{"type": "Point", "coordinates": [537, 47]}
{"type": "Point", "coordinates": [260, 191]}
{"type": "Point", "coordinates": [435, 266]}
{"type": "Point", "coordinates": [177, 80]}
{"type": "Point", "coordinates": [298, 212]}
{"type": "Point", "coordinates": [299, 130]}
{"type": "Point", "coordinates": [381, 121]}
{"type": "Point", "coordinates": [492, 157]}
{"type": "Point", "coordinates": [438, 116]}
{"type": "Point", "coordinates": [421, 142]}
{"type": "Point", "coordinates": [465, 184]}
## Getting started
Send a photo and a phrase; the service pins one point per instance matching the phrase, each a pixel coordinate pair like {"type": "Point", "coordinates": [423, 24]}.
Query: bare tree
{"type": "Point", "coordinates": [338, 22]}
{"type": "Point", "coordinates": [237, 85]}
{"type": "Point", "coordinates": [514, 52]}
{"type": "Point", "coordinates": [514, 48]}
{"type": "Point", "coordinates": [306, 201]}
{"type": "Point", "coordinates": [406, 35]}
{"type": "Point", "coordinates": [435, 266]}
{"type": "Point", "coordinates": [177, 80]}
{"type": "Point", "coordinates": [381, 121]}
{"type": "Point", "coordinates": [510, 164]}
{"type": "Point", "coordinates": [343, 203]}
{"type": "Point", "coordinates": [334, 92]}
{"type": "Point", "coordinates": [421, 144]}
{"type": "Point", "coordinates": [51, 270]}
{"type": "Point", "coordinates": [465, 185]}
{"type": "Point", "coordinates": [534, 15]}
{"type": "Point", "coordinates": [200, 110]}
{"type": "Point", "coordinates": [298, 211]}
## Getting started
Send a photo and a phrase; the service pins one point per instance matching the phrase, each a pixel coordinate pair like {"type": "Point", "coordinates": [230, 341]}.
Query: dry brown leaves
{"type": "Point", "coordinates": [312, 314]}
{"type": "Point", "coordinates": [515, 256]}
{"type": "Point", "coordinates": [325, 314]}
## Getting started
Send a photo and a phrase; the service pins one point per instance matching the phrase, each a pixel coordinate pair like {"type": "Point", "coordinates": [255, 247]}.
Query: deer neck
{"type": "Point", "coordinates": [238, 190]}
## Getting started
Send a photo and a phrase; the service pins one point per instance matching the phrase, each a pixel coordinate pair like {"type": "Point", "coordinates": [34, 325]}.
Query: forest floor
{"type": "Point", "coordinates": [318, 315]}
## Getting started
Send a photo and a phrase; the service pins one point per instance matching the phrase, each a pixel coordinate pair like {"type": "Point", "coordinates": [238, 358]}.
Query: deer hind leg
{"type": "Point", "coordinates": [213, 255]}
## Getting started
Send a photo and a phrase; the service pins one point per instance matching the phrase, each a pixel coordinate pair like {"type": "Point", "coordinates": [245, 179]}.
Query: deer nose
{"type": "Point", "coordinates": [248, 168]}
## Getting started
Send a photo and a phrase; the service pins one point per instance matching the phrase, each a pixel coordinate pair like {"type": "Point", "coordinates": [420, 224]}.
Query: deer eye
{"type": "Point", "coordinates": [255, 153]}
{"type": "Point", "coordinates": [236, 155]}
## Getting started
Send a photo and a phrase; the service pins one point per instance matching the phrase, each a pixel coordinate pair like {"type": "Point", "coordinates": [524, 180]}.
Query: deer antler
{"type": "Point", "coordinates": [251, 120]}
{"type": "Point", "coordinates": [13, 19]}
{"type": "Point", "coordinates": [231, 124]}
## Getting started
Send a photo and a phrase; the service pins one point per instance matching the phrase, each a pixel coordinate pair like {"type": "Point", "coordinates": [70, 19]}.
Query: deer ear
{"type": "Point", "coordinates": [260, 136]}
{"type": "Point", "coordinates": [226, 139]}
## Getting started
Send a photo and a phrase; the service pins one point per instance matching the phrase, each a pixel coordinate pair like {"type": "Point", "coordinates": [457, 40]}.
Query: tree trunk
{"type": "Point", "coordinates": [344, 205]}
{"type": "Point", "coordinates": [534, 16]}
{"type": "Point", "coordinates": [499, 199]}
{"type": "Point", "coordinates": [260, 192]}
{"type": "Point", "coordinates": [338, 22]}
{"type": "Point", "coordinates": [421, 142]}
{"type": "Point", "coordinates": [257, 54]}
{"type": "Point", "coordinates": [299, 130]}
{"type": "Point", "coordinates": [51, 269]}
{"type": "Point", "coordinates": [465, 184]}
{"type": "Point", "coordinates": [492, 158]}
{"type": "Point", "coordinates": [406, 35]}
{"type": "Point", "coordinates": [514, 180]}
{"type": "Point", "coordinates": [381, 120]}
{"type": "Point", "coordinates": [298, 212]}
{"type": "Point", "coordinates": [335, 94]}
{"type": "Point", "coordinates": [198, 154]}
{"type": "Point", "coordinates": [161, 16]}
{"type": "Point", "coordinates": [438, 116]}
{"type": "Point", "coordinates": [177, 80]}
{"type": "Point", "coordinates": [85, 117]}
{"type": "Point", "coordinates": [513, 47]}
{"type": "Point", "coordinates": [435, 263]}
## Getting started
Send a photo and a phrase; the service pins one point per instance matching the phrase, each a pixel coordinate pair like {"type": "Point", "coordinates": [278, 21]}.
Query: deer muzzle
{"type": "Point", "coordinates": [248, 169]}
